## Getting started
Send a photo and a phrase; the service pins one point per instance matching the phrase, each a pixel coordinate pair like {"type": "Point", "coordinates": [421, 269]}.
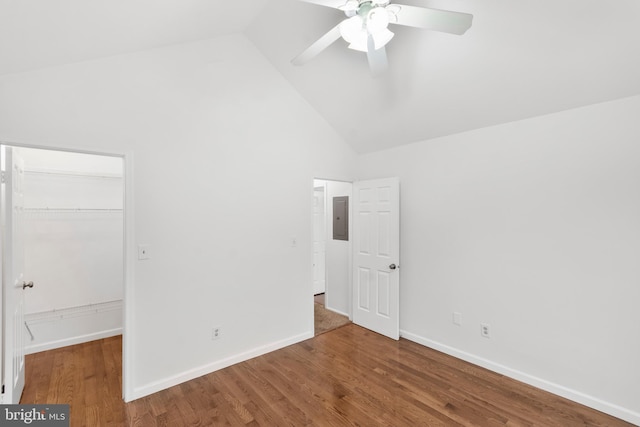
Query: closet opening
{"type": "Point", "coordinates": [67, 246]}
{"type": "Point", "coordinates": [331, 254]}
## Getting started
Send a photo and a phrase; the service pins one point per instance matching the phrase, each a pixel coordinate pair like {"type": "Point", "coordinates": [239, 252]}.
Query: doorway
{"type": "Point", "coordinates": [73, 241]}
{"type": "Point", "coordinates": [362, 262]}
{"type": "Point", "coordinates": [331, 253]}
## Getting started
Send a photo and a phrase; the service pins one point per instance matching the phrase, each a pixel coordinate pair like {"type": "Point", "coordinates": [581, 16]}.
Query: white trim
{"type": "Point", "coordinates": [180, 378]}
{"type": "Point", "coordinates": [325, 218]}
{"type": "Point", "coordinates": [67, 149]}
{"type": "Point", "coordinates": [568, 393]}
{"type": "Point", "coordinates": [72, 341]}
{"type": "Point", "coordinates": [326, 183]}
{"type": "Point", "coordinates": [337, 311]}
{"type": "Point", "coordinates": [128, 319]}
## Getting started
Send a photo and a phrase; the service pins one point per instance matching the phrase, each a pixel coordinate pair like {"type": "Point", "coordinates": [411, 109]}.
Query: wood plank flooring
{"type": "Point", "coordinates": [346, 377]}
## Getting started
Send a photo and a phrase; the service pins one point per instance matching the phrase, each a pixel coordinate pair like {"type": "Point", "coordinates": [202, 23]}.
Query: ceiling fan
{"type": "Point", "coordinates": [366, 27]}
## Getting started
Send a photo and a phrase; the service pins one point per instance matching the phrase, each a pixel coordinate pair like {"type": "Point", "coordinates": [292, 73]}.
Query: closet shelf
{"type": "Point", "coordinates": [71, 210]}
{"type": "Point", "coordinates": [72, 174]}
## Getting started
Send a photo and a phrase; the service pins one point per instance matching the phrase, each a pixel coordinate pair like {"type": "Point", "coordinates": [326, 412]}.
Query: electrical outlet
{"type": "Point", "coordinates": [215, 333]}
{"type": "Point", "coordinates": [485, 330]}
{"type": "Point", "coordinates": [457, 318]}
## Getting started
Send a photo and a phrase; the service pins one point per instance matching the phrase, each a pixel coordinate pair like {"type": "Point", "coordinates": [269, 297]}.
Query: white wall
{"type": "Point", "coordinates": [534, 228]}
{"type": "Point", "coordinates": [338, 264]}
{"type": "Point", "coordinates": [75, 258]}
{"type": "Point", "coordinates": [205, 122]}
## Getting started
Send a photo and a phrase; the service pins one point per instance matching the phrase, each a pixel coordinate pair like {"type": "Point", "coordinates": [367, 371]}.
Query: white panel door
{"type": "Point", "coordinates": [13, 276]}
{"type": "Point", "coordinates": [319, 241]}
{"type": "Point", "coordinates": [376, 246]}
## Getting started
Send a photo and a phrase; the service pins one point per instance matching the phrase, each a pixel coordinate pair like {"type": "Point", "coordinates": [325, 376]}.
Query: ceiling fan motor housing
{"type": "Point", "coordinates": [362, 7]}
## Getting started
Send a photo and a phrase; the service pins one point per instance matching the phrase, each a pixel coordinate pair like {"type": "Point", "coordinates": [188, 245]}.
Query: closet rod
{"type": "Point", "coordinates": [71, 174]}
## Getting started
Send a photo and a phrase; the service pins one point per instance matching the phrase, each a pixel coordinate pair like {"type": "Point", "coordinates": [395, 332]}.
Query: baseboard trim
{"type": "Point", "coordinates": [568, 393]}
{"type": "Point", "coordinates": [51, 345]}
{"type": "Point", "coordinates": [174, 380]}
{"type": "Point", "coordinates": [337, 311]}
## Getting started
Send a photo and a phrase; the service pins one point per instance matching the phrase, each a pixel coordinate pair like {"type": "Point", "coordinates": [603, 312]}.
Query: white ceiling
{"type": "Point", "coordinates": [519, 59]}
{"type": "Point", "coordinates": [41, 33]}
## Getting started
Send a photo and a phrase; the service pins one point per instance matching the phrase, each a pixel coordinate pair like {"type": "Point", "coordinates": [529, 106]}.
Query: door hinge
{"type": "Point", "coordinates": [2, 388]}
{"type": "Point", "coordinates": [3, 177]}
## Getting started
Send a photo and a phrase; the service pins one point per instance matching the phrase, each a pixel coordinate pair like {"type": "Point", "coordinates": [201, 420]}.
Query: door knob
{"type": "Point", "coordinates": [26, 285]}
{"type": "Point", "coordinates": [392, 267]}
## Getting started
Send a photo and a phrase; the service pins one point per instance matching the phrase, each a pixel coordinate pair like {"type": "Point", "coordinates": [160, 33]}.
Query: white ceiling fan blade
{"type": "Point", "coordinates": [336, 4]}
{"type": "Point", "coordinates": [432, 19]}
{"type": "Point", "coordinates": [377, 58]}
{"type": "Point", "coordinates": [318, 46]}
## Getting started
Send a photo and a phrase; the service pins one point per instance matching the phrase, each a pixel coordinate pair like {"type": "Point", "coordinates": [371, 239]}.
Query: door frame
{"type": "Point", "coordinates": [128, 250]}
{"type": "Point", "coordinates": [325, 234]}
{"type": "Point", "coordinates": [328, 214]}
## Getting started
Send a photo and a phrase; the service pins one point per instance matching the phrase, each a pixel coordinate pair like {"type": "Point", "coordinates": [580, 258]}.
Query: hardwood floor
{"type": "Point", "coordinates": [349, 376]}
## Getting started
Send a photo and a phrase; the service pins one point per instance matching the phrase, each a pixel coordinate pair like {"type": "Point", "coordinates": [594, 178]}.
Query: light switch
{"type": "Point", "coordinates": [457, 318]}
{"type": "Point", "coordinates": [143, 252]}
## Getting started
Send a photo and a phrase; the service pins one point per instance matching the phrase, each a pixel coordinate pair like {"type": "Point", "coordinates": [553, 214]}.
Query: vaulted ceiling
{"type": "Point", "coordinates": [519, 59]}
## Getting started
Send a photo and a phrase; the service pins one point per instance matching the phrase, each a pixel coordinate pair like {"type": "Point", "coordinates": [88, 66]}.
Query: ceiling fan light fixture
{"type": "Point", "coordinates": [354, 32]}
{"type": "Point", "coordinates": [377, 20]}
{"type": "Point", "coordinates": [360, 46]}
{"type": "Point", "coordinates": [377, 23]}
